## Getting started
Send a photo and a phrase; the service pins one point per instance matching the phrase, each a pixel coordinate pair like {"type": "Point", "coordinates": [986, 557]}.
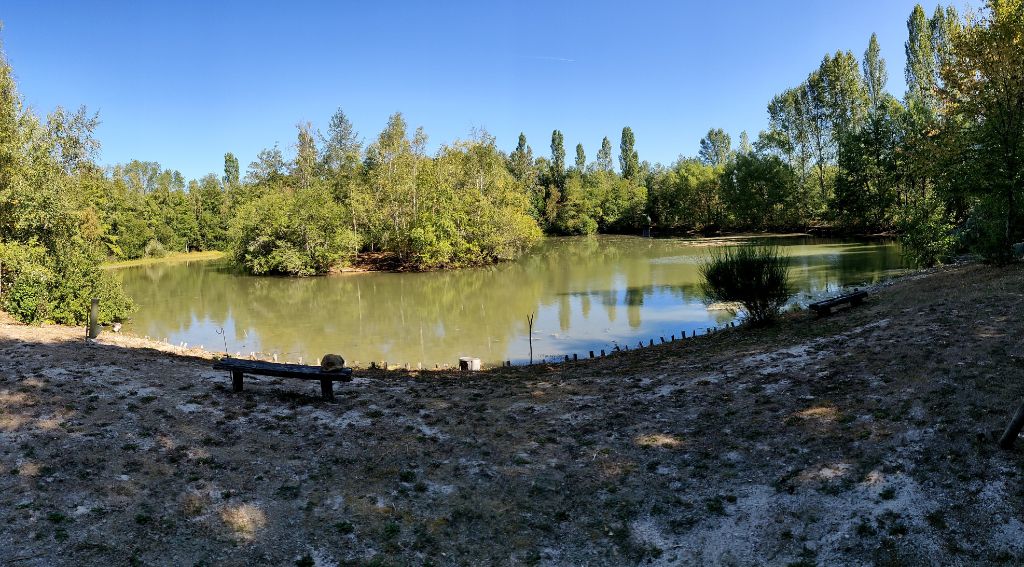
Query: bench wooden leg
{"type": "Point", "coordinates": [236, 381]}
{"type": "Point", "coordinates": [327, 389]}
{"type": "Point", "coordinates": [1009, 436]}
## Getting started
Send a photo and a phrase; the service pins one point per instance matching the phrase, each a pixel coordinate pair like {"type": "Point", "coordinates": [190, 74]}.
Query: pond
{"type": "Point", "coordinates": [586, 293]}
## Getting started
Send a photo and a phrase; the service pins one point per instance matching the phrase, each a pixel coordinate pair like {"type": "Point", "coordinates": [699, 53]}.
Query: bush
{"type": "Point", "coordinates": [754, 276]}
{"type": "Point", "coordinates": [927, 233]}
{"type": "Point", "coordinates": [985, 232]}
{"type": "Point", "coordinates": [38, 285]}
{"type": "Point", "coordinates": [154, 249]}
{"type": "Point", "coordinates": [300, 232]}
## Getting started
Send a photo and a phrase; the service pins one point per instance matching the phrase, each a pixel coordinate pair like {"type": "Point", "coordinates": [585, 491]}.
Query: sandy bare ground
{"type": "Point", "coordinates": [852, 440]}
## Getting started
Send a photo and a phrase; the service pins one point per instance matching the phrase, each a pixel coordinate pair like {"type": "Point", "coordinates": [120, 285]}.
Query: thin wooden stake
{"type": "Point", "coordinates": [94, 319]}
{"type": "Point", "coordinates": [529, 321]}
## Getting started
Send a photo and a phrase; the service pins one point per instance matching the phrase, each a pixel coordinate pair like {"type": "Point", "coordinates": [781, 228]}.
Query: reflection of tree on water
{"type": "Point", "coordinates": [438, 316]}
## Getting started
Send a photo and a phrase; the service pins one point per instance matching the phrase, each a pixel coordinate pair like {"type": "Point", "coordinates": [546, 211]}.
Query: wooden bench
{"type": "Point", "coordinates": [825, 307]}
{"type": "Point", "coordinates": [239, 367]}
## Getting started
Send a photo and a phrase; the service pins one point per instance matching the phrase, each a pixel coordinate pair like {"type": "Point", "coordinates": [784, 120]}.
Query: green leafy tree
{"type": "Point", "coordinates": [604, 156]}
{"type": "Point", "coordinates": [629, 160]}
{"type": "Point", "coordinates": [921, 69]}
{"type": "Point", "coordinates": [715, 148]}
{"type": "Point", "coordinates": [521, 161]}
{"type": "Point", "coordinates": [231, 172]}
{"type": "Point", "coordinates": [745, 147]}
{"type": "Point", "coordinates": [50, 243]}
{"type": "Point", "coordinates": [984, 91]}
{"type": "Point", "coordinates": [300, 233]}
{"type": "Point", "coordinates": [557, 158]}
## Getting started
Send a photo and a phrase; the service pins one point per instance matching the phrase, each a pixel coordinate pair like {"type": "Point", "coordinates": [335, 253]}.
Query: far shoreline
{"type": "Point", "coordinates": [384, 262]}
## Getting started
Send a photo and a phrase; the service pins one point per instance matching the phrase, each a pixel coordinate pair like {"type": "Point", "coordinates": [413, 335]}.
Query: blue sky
{"type": "Point", "coordinates": [183, 82]}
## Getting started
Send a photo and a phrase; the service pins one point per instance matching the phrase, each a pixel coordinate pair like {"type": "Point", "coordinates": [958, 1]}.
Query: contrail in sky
{"type": "Point", "coordinates": [549, 58]}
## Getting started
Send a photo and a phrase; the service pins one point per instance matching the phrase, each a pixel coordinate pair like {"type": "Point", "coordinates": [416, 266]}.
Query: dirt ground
{"type": "Point", "coordinates": [863, 438]}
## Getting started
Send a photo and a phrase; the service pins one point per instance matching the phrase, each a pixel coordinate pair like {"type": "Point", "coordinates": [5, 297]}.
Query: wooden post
{"type": "Point", "coordinates": [574, 358]}
{"type": "Point", "coordinates": [1013, 429]}
{"type": "Point", "coordinates": [652, 343]}
{"type": "Point", "coordinates": [591, 354]}
{"type": "Point", "coordinates": [327, 389]}
{"type": "Point", "coordinates": [94, 319]}
{"type": "Point", "coordinates": [236, 380]}
{"type": "Point", "coordinates": [529, 321]}
{"type": "Point", "coordinates": [602, 352]}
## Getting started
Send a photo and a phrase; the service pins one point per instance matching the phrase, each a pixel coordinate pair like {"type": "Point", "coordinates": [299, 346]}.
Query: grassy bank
{"type": "Point", "coordinates": [859, 439]}
{"type": "Point", "coordinates": [173, 257]}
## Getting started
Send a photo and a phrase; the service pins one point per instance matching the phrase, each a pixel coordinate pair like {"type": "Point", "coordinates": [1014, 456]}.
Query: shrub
{"type": "Point", "coordinates": [154, 249]}
{"type": "Point", "coordinates": [985, 232]}
{"type": "Point", "coordinates": [754, 276]}
{"type": "Point", "coordinates": [927, 233]}
{"type": "Point", "coordinates": [37, 284]}
{"type": "Point", "coordinates": [300, 232]}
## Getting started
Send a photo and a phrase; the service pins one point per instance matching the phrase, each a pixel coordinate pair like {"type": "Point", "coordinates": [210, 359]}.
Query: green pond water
{"type": "Point", "coordinates": [587, 294]}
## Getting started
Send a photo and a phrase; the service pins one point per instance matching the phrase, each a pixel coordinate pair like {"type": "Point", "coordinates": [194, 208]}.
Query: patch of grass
{"type": "Point", "coordinates": [57, 518]}
{"type": "Point", "coordinates": [344, 528]}
{"type": "Point", "coordinates": [715, 505]}
{"type": "Point", "coordinates": [167, 259]}
{"type": "Point", "coordinates": [391, 530]}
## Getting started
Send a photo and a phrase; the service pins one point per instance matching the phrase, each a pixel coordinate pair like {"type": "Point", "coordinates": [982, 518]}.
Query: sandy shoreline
{"type": "Point", "coordinates": [859, 439]}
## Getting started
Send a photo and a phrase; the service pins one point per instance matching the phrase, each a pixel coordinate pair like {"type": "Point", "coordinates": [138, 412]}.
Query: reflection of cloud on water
{"type": "Point", "coordinates": [689, 260]}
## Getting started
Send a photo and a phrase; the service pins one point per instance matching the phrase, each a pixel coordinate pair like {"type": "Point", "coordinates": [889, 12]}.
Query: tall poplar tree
{"type": "Point", "coordinates": [875, 74]}
{"type": "Point", "coordinates": [604, 156]}
{"type": "Point", "coordinates": [558, 158]}
{"type": "Point", "coordinates": [521, 160]}
{"type": "Point", "coordinates": [231, 173]}
{"type": "Point", "coordinates": [921, 66]}
{"type": "Point", "coordinates": [629, 160]}
{"type": "Point", "coordinates": [581, 158]}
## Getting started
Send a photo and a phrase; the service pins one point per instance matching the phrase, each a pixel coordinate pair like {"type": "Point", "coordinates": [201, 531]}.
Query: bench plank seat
{"type": "Point", "coordinates": [824, 307]}
{"type": "Point", "coordinates": [239, 367]}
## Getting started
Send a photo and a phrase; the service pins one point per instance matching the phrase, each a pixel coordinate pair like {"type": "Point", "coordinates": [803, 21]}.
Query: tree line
{"type": "Point", "coordinates": [941, 167]}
